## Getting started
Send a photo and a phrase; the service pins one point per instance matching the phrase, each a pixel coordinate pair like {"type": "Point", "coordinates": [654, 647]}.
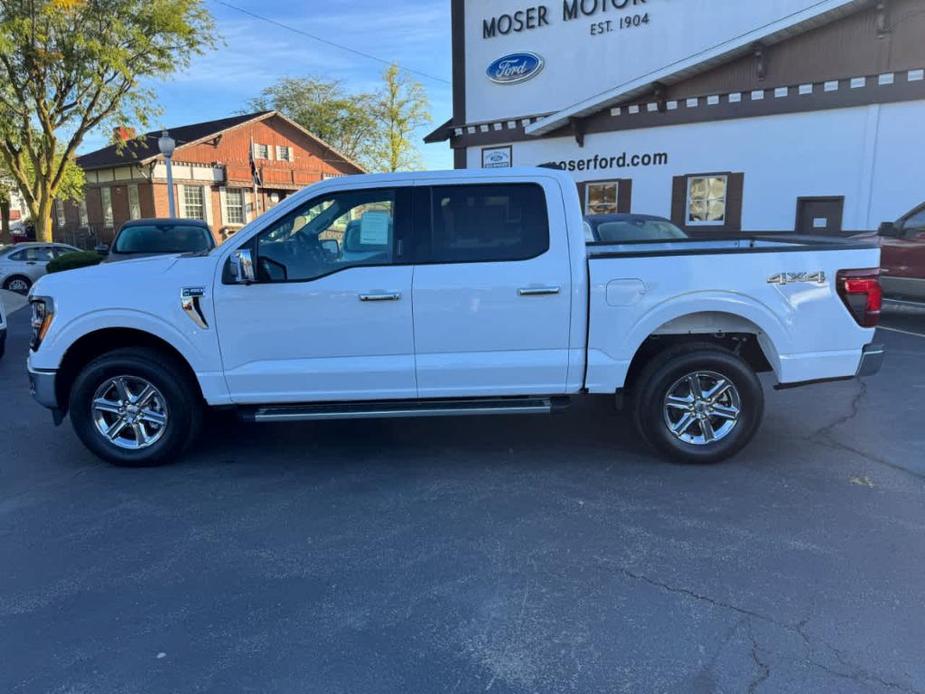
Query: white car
{"type": "Point", "coordinates": [21, 265]}
{"type": "Point", "coordinates": [447, 293]}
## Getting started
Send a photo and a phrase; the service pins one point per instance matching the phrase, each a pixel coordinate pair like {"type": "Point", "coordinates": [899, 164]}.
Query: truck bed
{"type": "Point", "coordinates": [781, 289]}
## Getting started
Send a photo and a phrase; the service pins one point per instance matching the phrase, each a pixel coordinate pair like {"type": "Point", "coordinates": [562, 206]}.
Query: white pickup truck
{"type": "Point", "coordinates": [447, 293]}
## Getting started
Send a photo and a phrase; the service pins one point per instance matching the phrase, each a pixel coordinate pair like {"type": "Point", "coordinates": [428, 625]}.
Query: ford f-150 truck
{"type": "Point", "coordinates": [447, 293]}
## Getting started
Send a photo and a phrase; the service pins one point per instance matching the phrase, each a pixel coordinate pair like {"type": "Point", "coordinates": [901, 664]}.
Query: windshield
{"type": "Point", "coordinates": [637, 229]}
{"type": "Point", "coordinates": [163, 238]}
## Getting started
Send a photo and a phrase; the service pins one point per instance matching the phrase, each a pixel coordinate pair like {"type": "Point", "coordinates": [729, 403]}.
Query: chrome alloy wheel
{"type": "Point", "coordinates": [19, 286]}
{"type": "Point", "coordinates": [129, 412]}
{"type": "Point", "coordinates": [702, 408]}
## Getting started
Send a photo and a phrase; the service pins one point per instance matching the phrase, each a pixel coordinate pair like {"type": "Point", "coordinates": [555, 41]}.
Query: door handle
{"type": "Point", "coordinates": [538, 291]}
{"type": "Point", "coordinates": [380, 297]}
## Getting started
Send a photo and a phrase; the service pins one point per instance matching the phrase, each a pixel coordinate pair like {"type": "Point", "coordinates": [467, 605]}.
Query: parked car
{"type": "Point", "coordinates": [621, 228]}
{"type": "Point", "coordinates": [146, 237]}
{"type": "Point", "coordinates": [22, 264]}
{"type": "Point", "coordinates": [902, 245]}
{"type": "Point", "coordinates": [2, 330]}
{"type": "Point", "coordinates": [460, 293]}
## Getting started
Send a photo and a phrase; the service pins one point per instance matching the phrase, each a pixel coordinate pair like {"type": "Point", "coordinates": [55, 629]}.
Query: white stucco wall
{"type": "Point", "coordinates": [871, 155]}
{"type": "Point", "coordinates": [580, 65]}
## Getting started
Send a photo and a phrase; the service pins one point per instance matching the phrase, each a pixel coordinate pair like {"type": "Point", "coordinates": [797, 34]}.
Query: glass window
{"type": "Point", "coordinates": [706, 200]}
{"type": "Point", "coordinates": [282, 153]}
{"type": "Point", "coordinates": [194, 206]}
{"type": "Point", "coordinates": [82, 211]}
{"type": "Point", "coordinates": [915, 222]}
{"type": "Point", "coordinates": [488, 223]}
{"type": "Point", "coordinates": [106, 198]}
{"type": "Point", "coordinates": [332, 233]}
{"type": "Point", "coordinates": [134, 205]}
{"type": "Point", "coordinates": [234, 206]}
{"type": "Point", "coordinates": [59, 213]}
{"type": "Point", "coordinates": [601, 198]}
{"type": "Point", "coordinates": [261, 151]}
{"type": "Point", "coordinates": [163, 237]}
{"type": "Point", "coordinates": [33, 254]}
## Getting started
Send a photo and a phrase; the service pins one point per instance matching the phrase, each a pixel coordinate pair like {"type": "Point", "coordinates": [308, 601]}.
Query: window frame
{"type": "Point", "coordinates": [201, 204]}
{"type": "Point", "coordinates": [283, 153]}
{"type": "Point", "coordinates": [134, 201]}
{"type": "Point", "coordinates": [226, 197]}
{"type": "Point", "coordinates": [261, 151]}
{"type": "Point", "coordinates": [402, 233]}
{"type": "Point", "coordinates": [424, 216]}
{"type": "Point", "coordinates": [688, 222]}
{"type": "Point", "coordinates": [616, 203]}
{"type": "Point", "coordinates": [106, 205]}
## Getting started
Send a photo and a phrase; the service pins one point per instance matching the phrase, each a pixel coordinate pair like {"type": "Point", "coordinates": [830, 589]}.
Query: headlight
{"type": "Point", "coordinates": [43, 313]}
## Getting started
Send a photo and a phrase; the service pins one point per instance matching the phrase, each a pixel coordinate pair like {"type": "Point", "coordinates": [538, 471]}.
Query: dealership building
{"type": "Point", "coordinates": [724, 115]}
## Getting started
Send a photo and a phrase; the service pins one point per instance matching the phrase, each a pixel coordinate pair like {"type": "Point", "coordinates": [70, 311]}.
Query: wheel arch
{"type": "Point", "coordinates": [98, 342]}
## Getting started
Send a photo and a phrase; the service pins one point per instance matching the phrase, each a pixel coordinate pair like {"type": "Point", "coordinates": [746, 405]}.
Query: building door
{"type": "Point", "coordinates": [820, 215]}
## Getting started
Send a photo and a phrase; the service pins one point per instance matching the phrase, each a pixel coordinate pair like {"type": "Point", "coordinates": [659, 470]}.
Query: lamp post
{"type": "Point", "coordinates": [167, 145]}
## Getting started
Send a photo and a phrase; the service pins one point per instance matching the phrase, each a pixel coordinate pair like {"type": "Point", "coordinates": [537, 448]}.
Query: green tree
{"type": "Point", "coordinates": [6, 195]}
{"type": "Point", "coordinates": [71, 188]}
{"type": "Point", "coordinates": [401, 108]}
{"type": "Point", "coordinates": [343, 120]}
{"type": "Point", "coordinates": [69, 66]}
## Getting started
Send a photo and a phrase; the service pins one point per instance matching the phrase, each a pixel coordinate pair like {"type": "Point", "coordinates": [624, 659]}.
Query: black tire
{"type": "Point", "coordinates": [182, 400]}
{"type": "Point", "coordinates": [9, 281]}
{"type": "Point", "coordinates": [670, 368]}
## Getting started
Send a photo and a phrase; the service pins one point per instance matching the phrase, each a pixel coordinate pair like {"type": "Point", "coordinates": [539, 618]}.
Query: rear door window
{"type": "Point", "coordinates": [485, 223]}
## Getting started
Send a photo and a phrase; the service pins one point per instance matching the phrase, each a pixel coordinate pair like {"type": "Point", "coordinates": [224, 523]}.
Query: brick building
{"type": "Point", "coordinates": [212, 172]}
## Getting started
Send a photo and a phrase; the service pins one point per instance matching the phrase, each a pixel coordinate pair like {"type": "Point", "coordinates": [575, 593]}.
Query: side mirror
{"type": "Point", "coordinates": [888, 229]}
{"type": "Point", "coordinates": [331, 247]}
{"type": "Point", "coordinates": [242, 266]}
{"type": "Point", "coordinates": [102, 248]}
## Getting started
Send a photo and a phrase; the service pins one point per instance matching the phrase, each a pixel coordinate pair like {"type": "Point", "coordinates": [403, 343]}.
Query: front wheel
{"type": "Point", "coordinates": [135, 408]}
{"type": "Point", "coordinates": [698, 403]}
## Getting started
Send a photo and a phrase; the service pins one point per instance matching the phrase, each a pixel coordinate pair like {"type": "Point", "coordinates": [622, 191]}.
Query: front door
{"type": "Point", "coordinates": [329, 317]}
{"type": "Point", "coordinates": [820, 215]}
{"type": "Point", "coordinates": [492, 291]}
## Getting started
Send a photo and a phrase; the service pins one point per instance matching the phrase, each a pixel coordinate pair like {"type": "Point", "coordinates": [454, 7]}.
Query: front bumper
{"type": "Point", "coordinates": [871, 360]}
{"type": "Point", "coordinates": [42, 386]}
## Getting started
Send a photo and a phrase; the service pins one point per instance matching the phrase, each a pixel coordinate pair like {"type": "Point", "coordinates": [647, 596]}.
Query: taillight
{"type": "Point", "coordinates": [862, 294]}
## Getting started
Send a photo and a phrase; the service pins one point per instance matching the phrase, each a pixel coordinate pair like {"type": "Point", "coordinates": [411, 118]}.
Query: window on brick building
{"type": "Point", "coordinates": [194, 203]}
{"type": "Point", "coordinates": [134, 205]}
{"type": "Point", "coordinates": [106, 198]}
{"type": "Point", "coordinates": [235, 212]}
{"type": "Point", "coordinates": [261, 151]}
{"type": "Point", "coordinates": [283, 153]}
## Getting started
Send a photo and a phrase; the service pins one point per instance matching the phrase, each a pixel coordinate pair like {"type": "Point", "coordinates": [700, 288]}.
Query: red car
{"type": "Point", "coordinates": [902, 245]}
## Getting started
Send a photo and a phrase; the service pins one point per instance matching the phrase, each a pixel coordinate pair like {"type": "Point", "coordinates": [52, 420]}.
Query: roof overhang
{"type": "Point", "coordinates": [820, 13]}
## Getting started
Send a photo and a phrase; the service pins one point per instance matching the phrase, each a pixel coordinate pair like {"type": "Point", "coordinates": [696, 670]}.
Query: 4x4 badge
{"type": "Point", "coordinates": [783, 278]}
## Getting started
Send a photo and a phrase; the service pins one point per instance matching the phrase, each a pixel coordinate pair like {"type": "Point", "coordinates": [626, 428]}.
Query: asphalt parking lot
{"type": "Point", "coordinates": [463, 555]}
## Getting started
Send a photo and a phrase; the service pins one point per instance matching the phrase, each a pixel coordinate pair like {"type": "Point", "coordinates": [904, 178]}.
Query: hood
{"type": "Point", "coordinates": [109, 275]}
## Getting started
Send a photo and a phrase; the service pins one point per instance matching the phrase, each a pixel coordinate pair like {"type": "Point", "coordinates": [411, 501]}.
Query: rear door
{"type": "Point", "coordinates": [492, 289]}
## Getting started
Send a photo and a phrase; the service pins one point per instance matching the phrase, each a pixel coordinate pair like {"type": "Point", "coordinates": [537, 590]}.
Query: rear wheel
{"type": "Point", "coordinates": [18, 284]}
{"type": "Point", "coordinates": [135, 408]}
{"type": "Point", "coordinates": [698, 403]}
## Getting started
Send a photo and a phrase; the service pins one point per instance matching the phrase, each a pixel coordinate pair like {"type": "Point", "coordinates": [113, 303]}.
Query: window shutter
{"type": "Point", "coordinates": [679, 201]}
{"type": "Point", "coordinates": [223, 202]}
{"type": "Point", "coordinates": [625, 195]}
{"type": "Point", "coordinates": [735, 193]}
{"type": "Point", "coordinates": [291, 154]}
{"type": "Point", "coordinates": [207, 203]}
{"type": "Point", "coordinates": [247, 206]}
{"type": "Point", "coordinates": [271, 152]}
{"type": "Point", "coordinates": [181, 206]}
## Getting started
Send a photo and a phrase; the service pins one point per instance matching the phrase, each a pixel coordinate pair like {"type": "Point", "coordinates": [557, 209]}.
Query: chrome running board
{"type": "Point", "coordinates": [387, 410]}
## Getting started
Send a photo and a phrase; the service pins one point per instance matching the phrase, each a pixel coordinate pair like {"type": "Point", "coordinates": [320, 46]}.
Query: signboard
{"type": "Point", "coordinates": [515, 68]}
{"type": "Point", "coordinates": [590, 46]}
{"type": "Point", "coordinates": [497, 157]}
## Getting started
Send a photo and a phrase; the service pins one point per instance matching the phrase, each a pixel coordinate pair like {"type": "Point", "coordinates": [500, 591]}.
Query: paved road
{"type": "Point", "coordinates": [501, 555]}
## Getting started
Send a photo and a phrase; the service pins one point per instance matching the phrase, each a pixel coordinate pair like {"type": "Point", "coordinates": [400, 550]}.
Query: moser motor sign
{"type": "Point", "coordinates": [515, 68]}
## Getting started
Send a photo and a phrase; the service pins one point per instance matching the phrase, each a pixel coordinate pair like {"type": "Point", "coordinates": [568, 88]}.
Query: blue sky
{"type": "Point", "coordinates": [414, 33]}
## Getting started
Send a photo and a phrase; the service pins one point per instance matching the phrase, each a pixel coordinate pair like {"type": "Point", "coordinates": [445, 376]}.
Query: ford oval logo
{"type": "Point", "coordinates": [515, 68]}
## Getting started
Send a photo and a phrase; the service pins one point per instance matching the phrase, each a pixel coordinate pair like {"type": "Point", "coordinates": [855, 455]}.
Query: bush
{"type": "Point", "coordinates": [72, 261]}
